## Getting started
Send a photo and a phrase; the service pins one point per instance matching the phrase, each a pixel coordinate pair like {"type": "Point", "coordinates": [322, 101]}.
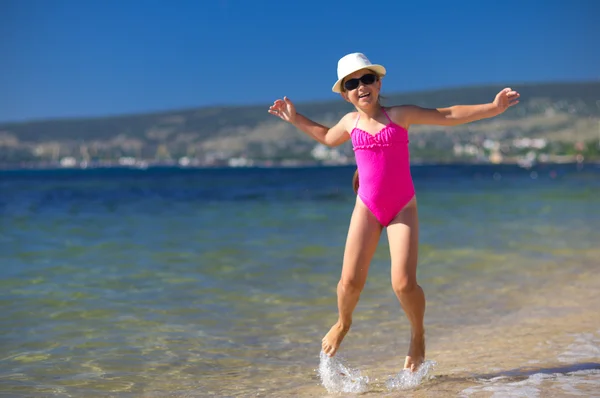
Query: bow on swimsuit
{"type": "Point", "coordinates": [383, 163]}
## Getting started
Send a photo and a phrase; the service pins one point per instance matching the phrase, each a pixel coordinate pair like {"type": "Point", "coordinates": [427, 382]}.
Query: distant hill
{"type": "Point", "coordinates": [568, 110]}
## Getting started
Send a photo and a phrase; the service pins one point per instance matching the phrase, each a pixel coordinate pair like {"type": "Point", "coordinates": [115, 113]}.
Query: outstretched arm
{"type": "Point", "coordinates": [460, 114]}
{"type": "Point", "coordinates": [334, 136]}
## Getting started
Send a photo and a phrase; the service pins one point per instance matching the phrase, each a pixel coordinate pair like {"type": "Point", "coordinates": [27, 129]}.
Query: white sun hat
{"type": "Point", "coordinates": [350, 63]}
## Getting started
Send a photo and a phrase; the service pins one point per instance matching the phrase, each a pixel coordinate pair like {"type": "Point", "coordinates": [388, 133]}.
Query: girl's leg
{"type": "Point", "coordinates": [363, 236]}
{"type": "Point", "coordinates": [403, 235]}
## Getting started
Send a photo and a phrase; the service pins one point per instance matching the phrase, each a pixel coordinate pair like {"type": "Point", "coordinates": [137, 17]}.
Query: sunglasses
{"type": "Point", "coordinates": [367, 79]}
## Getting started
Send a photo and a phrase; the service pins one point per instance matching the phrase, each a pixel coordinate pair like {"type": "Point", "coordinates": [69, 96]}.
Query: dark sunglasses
{"type": "Point", "coordinates": [367, 79]}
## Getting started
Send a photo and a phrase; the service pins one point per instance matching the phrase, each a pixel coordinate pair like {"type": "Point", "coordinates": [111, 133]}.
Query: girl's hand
{"type": "Point", "coordinates": [284, 109]}
{"type": "Point", "coordinates": [505, 99]}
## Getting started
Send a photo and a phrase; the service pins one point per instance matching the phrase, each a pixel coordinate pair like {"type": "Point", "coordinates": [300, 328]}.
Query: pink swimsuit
{"type": "Point", "coordinates": [383, 162]}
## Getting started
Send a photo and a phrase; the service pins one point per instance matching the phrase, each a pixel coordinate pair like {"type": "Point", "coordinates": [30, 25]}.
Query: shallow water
{"type": "Point", "coordinates": [167, 282]}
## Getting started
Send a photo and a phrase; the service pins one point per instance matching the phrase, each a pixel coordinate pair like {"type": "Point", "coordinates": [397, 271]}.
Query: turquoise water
{"type": "Point", "coordinates": [222, 282]}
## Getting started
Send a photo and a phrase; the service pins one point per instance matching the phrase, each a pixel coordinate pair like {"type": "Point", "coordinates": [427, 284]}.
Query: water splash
{"type": "Point", "coordinates": [337, 377]}
{"type": "Point", "coordinates": [405, 379]}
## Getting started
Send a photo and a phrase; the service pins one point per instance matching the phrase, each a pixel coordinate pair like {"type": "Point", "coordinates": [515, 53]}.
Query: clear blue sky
{"type": "Point", "coordinates": [63, 58]}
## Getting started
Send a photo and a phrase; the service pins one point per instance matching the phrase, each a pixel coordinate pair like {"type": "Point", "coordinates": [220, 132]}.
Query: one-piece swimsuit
{"type": "Point", "coordinates": [383, 162]}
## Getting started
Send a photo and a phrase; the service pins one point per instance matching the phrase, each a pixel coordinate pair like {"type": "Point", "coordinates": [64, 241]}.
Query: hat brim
{"type": "Point", "coordinates": [379, 69]}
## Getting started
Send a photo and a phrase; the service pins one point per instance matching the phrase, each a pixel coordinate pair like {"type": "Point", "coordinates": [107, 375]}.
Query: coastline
{"type": "Point", "coordinates": [300, 165]}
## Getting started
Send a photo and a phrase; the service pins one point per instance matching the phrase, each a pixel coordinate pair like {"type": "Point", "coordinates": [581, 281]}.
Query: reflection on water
{"type": "Point", "coordinates": [222, 283]}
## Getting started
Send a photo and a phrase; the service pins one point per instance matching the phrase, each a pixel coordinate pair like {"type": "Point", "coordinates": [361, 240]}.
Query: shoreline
{"type": "Point", "coordinates": [542, 339]}
{"type": "Point", "coordinates": [308, 165]}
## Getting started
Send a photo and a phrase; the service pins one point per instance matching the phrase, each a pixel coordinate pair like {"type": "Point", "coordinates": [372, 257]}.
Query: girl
{"type": "Point", "coordinates": [385, 195]}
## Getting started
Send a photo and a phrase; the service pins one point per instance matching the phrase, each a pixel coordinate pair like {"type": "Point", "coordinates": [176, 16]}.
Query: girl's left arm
{"type": "Point", "coordinates": [459, 114]}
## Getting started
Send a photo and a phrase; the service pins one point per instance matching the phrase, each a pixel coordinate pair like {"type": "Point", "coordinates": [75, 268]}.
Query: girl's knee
{"type": "Point", "coordinates": [351, 285]}
{"type": "Point", "coordinates": [404, 285]}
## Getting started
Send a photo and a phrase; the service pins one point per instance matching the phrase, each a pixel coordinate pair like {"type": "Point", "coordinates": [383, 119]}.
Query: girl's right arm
{"type": "Point", "coordinates": [334, 136]}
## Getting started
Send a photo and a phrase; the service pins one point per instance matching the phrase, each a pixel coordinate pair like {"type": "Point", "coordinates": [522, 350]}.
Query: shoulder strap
{"type": "Point", "coordinates": [386, 115]}
{"type": "Point", "coordinates": [357, 119]}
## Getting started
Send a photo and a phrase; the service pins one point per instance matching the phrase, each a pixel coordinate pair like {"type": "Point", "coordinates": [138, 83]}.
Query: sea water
{"type": "Point", "coordinates": [221, 282]}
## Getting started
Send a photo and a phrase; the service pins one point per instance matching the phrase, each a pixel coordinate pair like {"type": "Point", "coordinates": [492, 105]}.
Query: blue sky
{"type": "Point", "coordinates": [69, 58]}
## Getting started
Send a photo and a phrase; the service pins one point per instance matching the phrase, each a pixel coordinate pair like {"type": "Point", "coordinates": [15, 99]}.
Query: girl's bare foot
{"type": "Point", "coordinates": [332, 340]}
{"type": "Point", "coordinates": [416, 352]}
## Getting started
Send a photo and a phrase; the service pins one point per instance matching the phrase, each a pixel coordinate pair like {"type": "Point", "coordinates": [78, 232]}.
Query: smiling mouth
{"type": "Point", "coordinates": [364, 95]}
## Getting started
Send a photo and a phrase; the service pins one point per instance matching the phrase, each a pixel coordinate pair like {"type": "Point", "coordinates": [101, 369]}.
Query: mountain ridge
{"type": "Point", "coordinates": [555, 111]}
{"type": "Point", "coordinates": [185, 109]}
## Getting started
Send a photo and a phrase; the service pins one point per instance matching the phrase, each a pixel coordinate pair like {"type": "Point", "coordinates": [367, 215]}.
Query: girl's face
{"type": "Point", "coordinates": [361, 88]}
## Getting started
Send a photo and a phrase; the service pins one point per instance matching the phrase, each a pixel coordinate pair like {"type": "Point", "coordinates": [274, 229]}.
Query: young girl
{"type": "Point", "coordinates": [385, 194]}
